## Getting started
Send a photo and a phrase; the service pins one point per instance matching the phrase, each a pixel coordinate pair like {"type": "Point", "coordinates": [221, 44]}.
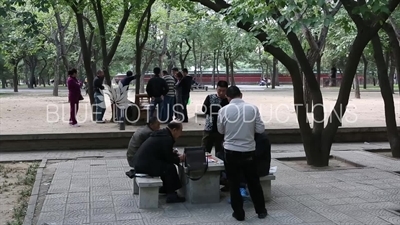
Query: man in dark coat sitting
{"type": "Point", "coordinates": [157, 158]}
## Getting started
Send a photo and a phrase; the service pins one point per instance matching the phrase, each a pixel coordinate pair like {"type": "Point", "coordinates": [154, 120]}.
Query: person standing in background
{"type": "Point", "coordinates": [169, 99]}
{"type": "Point", "coordinates": [178, 106]}
{"type": "Point", "coordinates": [128, 79]}
{"type": "Point", "coordinates": [156, 88]}
{"type": "Point", "coordinates": [186, 87]}
{"type": "Point", "coordinates": [239, 121]}
{"type": "Point", "coordinates": [211, 106]}
{"type": "Point", "coordinates": [99, 97]}
{"type": "Point", "coordinates": [74, 96]}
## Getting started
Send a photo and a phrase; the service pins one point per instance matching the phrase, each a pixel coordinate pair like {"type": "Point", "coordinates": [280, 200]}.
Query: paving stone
{"type": "Point", "coordinates": [98, 192]}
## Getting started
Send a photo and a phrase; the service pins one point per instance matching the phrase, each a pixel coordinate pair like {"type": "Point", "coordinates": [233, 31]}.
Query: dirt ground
{"type": "Point", "coordinates": [14, 190]}
{"type": "Point", "coordinates": [40, 112]}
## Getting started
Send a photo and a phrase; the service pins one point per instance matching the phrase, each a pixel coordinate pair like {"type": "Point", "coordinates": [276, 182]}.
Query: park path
{"type": "Point", "coordinates": [89, 190]}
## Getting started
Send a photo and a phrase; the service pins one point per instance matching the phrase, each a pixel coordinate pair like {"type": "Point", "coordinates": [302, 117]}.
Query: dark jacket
{"type": "Point", "coordinates": [156, 153]}
{"type": "Point", "coordinates": [263, 153]}
{"type": "Point", "coordinates": [98, 84]}
{"type": "Point", "coordinates": [186, 85]}
{"type": "Point", "coordinates": [137, 139]}
{"type": "Point", "coordinates": [156, 87]}
{"type": "Point", "coordinates": [74, 89]}
{"type": "Point", "coordinates": [127, 80]}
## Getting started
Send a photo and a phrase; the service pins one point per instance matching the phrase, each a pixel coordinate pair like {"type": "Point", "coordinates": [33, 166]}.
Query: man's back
{"type": "Point", "coordinates": [171, 85]}
{"type": "Point", "coordinates": [239, 121]}
{"type": "Point", "coordinates": [156, 87]}
{"type": "Point", "coordinates": [155, 153]}
{"type": "Point", "coordinates": [137, 139]}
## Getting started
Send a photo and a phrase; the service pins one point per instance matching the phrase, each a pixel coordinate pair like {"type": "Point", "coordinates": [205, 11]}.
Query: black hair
{"type": "Point", "coordinates": [129, 73]}
{"type": "Point", "coordinates": [179, 75]}
{"type": "Point", "coordinates": [175, 69]}
{"type": "Point", "coordinates": [185, 70]}
{"type": "Point", "coordinates": [174, 125]}
{"type": "Point", "coordinates": [72, 71]}
{"type": "Point", "coordinates": [222, 83]}
{"type": "Point", "coordinates": [157, 70]}
{"type": "Point", "coordinates": [233, 92]}
{"type": "Point", "coordinates": [152, 120]}
{"type": "Point", "coordinates": [165, 72]}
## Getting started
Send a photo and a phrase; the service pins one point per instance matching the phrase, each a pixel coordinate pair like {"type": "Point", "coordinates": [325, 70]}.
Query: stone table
{"type": "Point", "coordinates": [205, 190]}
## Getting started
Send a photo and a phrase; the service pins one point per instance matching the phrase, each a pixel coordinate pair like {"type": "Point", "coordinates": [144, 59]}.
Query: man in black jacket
{"type": "Point", "coordinates": [186, 86]}
{"type": "Point", "coordinates": [128, 79]}
{"type": "Point", "coordinates": [156, 157]}
{"type": "Point", "coordinates": [156, 88]}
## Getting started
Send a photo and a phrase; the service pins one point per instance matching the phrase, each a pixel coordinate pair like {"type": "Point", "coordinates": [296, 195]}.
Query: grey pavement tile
{"type": "Point", "coordinates": [130, 222]}
{"type": "Point", "coordinates": [100, 211]}
{"type": "Point", "coordinates": [58, 189]}
{"type": "Point", "coordinates": [101, 198]}
{"type": "Point", "coordinates": [168, 221]}
{"type": "Point", "coordinates": [53, 207]}
{"type": "Point", "coordinates": [391, 219]}
{"type": "Point", "coordinates": [54, 201]}
{"type": "Point", "coordinates": [74, 189]}
{"type": "Point", "coordinates": [51, 217]}
{"type": "Point", "coordinates": [99, 182]}
{"type": "Point", "coordinates": [77, 206]}
{"type": "Point", "coordinates": [97, 205]}
{"type": "Point", "coordinates": [288, 219]}
{"type": "Point", "coordinates": [129, 216]}
{"type": "Point", "coordinates": [126, 210]}
{"type": "Point", "coordinates": [80, 197]}
{"type": "Point", "coordinates": [103, 218]}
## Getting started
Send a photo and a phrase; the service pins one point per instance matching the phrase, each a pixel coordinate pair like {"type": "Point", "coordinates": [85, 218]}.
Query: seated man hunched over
{"type": "Point", "coordinates": [157, 158]}
{"type": "Point", "coordinates": [139, 137]}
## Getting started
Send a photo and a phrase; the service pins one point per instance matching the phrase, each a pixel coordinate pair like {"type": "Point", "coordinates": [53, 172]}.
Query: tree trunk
{"type": "Point", "coordinates": [357, 87]}
{"type": "Point", "coordinates": [274, 72]}
{"type": "Point", "coordinates": [201, 64]}
{"type": "Point", "coordinates": [195, 58]}
{"type": "Point", "coordinates": [15, 77]}
{"type": "Point", "coordinates": [232, 72]}
{"type": "Point", "coordinates": [227, 68]}
{"type": "Point", "coordinates": [319, 70]}
{"type": "Point", "coordinates": [3, 80]}
{"type": "Point", "coordinates": [213, 69]}
{"type": "Point", "coordinates": [56, 75]}
{"type": "Point", "coordinates": [392, 69]}
{"type": "Point", "coordinates": [217, 62]}
{"type": "Point", "coordinates": [365, 61]}
{"type": "Point", "coordinates": [390, 114]}
{"type": "Point", "coordinates": [140, 44]}
{"type": "Point", "coordinates": [394, 44]}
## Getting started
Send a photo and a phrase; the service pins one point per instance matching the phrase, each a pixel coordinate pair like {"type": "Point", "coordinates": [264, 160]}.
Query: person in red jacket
{"type": "Point", "coordinates": [74, 96]}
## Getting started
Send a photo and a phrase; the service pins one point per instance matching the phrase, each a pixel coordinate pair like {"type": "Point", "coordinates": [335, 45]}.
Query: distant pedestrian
{"type": "Point", "coordinates": [169, 99]}
{"type": "Point", "coordinates": [99, 97]}
{"type": "Point", "coordinates": [74, 96]}
{"type": "Point", "coordinates": [186, 87]}
{"type": "Point", "coordinates": [156, 88]}
{"type": "Point", "coordinates": [179, 107]}
{"type": "Point", "coordinates": [128, 79]}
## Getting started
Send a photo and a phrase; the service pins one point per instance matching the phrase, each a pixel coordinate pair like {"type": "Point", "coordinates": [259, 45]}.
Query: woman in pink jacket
{"type": "Point", "coordinates": [74, 96]}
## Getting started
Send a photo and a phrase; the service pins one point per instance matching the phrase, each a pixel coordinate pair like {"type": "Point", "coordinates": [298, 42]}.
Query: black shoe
{"type": "Point", "coordinates": [238, 218]}
{"type": "Point", "coordinates": [175, 198]}
{"type": "Point", "coordinates": [161, 190]}
{"type": "Point", "coordinates": [225, 188]}
{"type": "Point", "coordinates": [131, 173]}
{"type": "Point", "coordinates": [262, 215]}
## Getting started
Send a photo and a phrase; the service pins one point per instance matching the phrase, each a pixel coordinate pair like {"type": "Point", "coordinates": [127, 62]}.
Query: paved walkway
{"type": "Point", "coordinates": [96, 191]}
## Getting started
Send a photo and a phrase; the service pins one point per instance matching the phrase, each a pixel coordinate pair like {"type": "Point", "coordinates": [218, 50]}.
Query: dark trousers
{"type": "Point", "coordinates": [170, 178]}
{"type": "Point", "coordinates": [166, 111]}
{"type": "Point", "coordinates": [157, 101]}
{"type": "Point", "coordinates": [130, 162]}
{"type": "Point", "coordinates": [100, 106]}
{"type": "Point", "coordinates": [74, 106]}
{"type": "Point", "coordinates": [213, 138]}
{"type": "Point", "coordinates": [237, 163]}
{"type": "Point", "coordinates": [185, 100]}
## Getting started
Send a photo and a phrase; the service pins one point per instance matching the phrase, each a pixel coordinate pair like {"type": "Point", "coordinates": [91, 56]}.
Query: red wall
{"type": "Point", "coordinates": [248, 78]}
